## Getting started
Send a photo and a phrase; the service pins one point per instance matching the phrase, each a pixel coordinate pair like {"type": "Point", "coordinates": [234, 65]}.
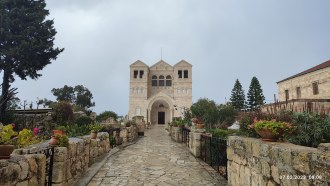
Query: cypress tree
{"type": "Point", "coordinates": [237, 96]}
{"type": "Point", "coordinates": [26, 41]}
{"type": "Point", "coordinates": [255, 97]}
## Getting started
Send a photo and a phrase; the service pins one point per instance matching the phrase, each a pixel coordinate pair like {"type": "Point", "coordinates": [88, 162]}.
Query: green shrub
{"type": "Point", "coordinates": [105, 115]}
{"type": "Point", "coordinates": [178, 122]}
{"type": "Point", "coordinates": [222, 133]}
{"type": "Point", "coordinates": [74, 130]}
{"type": "Point", "coordinates": [63, 140]}
{"type": "Point", "coordinates": [63, 111]}
{"type": "Point", "coordinates": [245, 122]}
{"type": "Point", "coordinates": [95, 127]}
{"type": "Point", "coordinates": [112, 140]}
{"type": "Point", "coordinates": [83, 120]}
{"type": "Point", "coordinates": [312, 129]}
{"type": "Point", "coordinates": [8, 117]}
{"type": "Point", "coordinates": [227, 115]}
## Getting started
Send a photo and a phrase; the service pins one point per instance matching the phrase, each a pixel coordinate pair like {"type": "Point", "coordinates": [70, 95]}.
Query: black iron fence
{"type": "Point", "coordinates": [185, 136]}
{"type": "Point", "coordinates": [49, 152]}
{"type": "Point", "coordinates": [213, 152]}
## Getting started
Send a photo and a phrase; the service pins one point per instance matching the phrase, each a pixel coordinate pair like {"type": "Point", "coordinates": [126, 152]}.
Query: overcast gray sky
{"type": "Point", "coordinates": [223, 40]}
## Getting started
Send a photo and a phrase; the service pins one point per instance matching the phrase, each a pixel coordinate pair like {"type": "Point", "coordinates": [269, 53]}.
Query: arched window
{"type": "Point", "coordinates": [154, 81]}
{"type": "Point", "coordinates": [161, 81]}
{"type": "Point", "coordinates": [168, 81]}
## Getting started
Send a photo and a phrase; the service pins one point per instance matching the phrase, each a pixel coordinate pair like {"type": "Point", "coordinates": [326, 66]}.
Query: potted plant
{"type": "Point", "coordinates": [179, 123]}
{"type": "Point", "coordinates": [60, 140]}
{"type": "Point", "coordinates": [95, 128]}
{"type": "Point", "coordinates": [7, 133]}
{"type": "Point", "coordinates": [59, 130]}
{"type": "Point", "coordinates": [53, 140]}
{"type": "Point", "coordinates": [271, 130]}
{"type": "Point", "coordinates": [198, 122]}
{"type": "Point", "coordinates": [63, 140]}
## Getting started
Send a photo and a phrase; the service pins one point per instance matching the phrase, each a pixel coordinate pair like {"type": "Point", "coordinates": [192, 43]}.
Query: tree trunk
{"type": "Point", "coordinates": [5, 88]}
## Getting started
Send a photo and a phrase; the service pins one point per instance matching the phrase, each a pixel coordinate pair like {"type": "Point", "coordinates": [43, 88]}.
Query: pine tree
{"type": "Point", "coordinates": [237, 96]}
{"type": "Point", "coordinates": [26, 41]}
{"type": "Point", "coordinates": [255, 97]}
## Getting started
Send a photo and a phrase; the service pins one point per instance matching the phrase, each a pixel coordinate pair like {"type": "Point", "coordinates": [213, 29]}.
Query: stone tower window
{"type": "Point", "coordinates": [180, 73]}
{"type": "Point", "coordinates": [298, 92]}
{"type": "Point", "coordinates": [136, 74]}
{"type": "Point", "coordinates": [141, 74]}
{"type": "Point", "coordinates": [315, 88]}
{"type": "Point", "coordinates": [161, 81]}
{"type": "Point", "coordinates": [185, 74]}
{"type": "Point", "coordinates": [168, 81]}
{"type": "Point", "coordinates": [154, 81]}
{"type": "Point", "coordinates": [286, 95]}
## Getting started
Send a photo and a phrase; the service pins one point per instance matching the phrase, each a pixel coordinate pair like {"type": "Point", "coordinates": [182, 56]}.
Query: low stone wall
{"type": "Point", "coordinates": [27, 170]}
{"type": "Point", "coordinates": [69, 162]}
{"type": "Point", "coordinates": [176, 134]}
{"type": "Point", "coordinates": [253, 162]}
{"type": "Point", "coordinates": [129, 134]}
{"type": "Point", "coordinates": [195, 141]}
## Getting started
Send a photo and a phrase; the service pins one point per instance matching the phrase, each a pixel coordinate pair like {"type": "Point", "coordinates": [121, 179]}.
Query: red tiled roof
{"type": "Point", "coordinates": [317, 67]}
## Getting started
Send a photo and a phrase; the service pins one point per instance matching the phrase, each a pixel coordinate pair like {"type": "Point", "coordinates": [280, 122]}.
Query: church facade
{"type": "Point", "coordinates": [160, 92]}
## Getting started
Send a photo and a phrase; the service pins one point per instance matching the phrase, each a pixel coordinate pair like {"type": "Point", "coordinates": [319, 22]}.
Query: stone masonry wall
{"type": "Point", "coordinates": [69, 162]}
{"type": "Point", "coordinates": [27, 170]}
{"type": "Point", "coordinates": [176, 134]}
{"type": "Point", "coordinates": [195, 141]}
{"type": "Point", "coordinates": [129, 134]}
{"type": "Point", "coordinates": [253, 162]}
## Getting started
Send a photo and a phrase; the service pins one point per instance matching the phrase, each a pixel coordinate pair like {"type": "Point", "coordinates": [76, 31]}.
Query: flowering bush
{"type": "Point", "coordinates": [26, 137]}
{"type": "Point", "coordinates": [7, 133]}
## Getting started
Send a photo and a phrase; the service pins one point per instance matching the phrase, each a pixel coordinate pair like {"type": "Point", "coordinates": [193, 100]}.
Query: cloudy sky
{"type": "Point", "coordinates": [223, 40]}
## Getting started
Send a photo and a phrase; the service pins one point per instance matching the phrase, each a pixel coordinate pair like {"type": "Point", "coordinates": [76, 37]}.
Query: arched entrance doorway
{"type": "Point", "coordinates": [160, 112]}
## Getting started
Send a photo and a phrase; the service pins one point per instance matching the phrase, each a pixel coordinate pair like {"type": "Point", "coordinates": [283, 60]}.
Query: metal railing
{"type": "Point", "coordinates": [213, 152]}
{"type": "Point", "coordinates": [49, 153]}
{"type": "Point", "coordinates": [185, 136]}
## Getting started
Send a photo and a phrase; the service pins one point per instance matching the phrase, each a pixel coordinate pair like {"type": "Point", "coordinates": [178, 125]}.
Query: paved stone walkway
{"type": "Point", "coordinates": [155, 160]}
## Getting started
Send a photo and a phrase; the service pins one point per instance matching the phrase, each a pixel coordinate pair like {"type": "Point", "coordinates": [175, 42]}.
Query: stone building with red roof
{"type": "Point", "coordinates": [313, 83]}
{"type": "Point", "coordinates": [307, 91]}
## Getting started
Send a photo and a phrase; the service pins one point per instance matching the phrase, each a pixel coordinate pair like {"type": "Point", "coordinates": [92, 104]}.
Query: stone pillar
{"type": "Point", "coordinates": [194, 141]}
{"type": "Point", "coordinates": [176, 134]}
{"type": "Point", "coordinates": [61, 162]}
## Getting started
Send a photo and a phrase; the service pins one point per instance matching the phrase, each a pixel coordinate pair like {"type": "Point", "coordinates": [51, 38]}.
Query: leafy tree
{"type": "Point", "coordinates": [27, 41]}
{"type": "Point", "coordinates": [45, 102]}
{"type": "Point", "coordinates": [227, 114]}
{"type": "Point", "coordinates": [255, 95]}
{"type": "Point", "coordinates": [237, 96]}
{"type": "Point", "coordinates": [83, 97]}
{"type": "Point", "coordinates": [105, 115]}
{"type": "Point", "coordinates": [64, 94]}
{"type": "Point", "coordinates": [206, 110]}
{"type": "Point", "coordinates": [79, 95]}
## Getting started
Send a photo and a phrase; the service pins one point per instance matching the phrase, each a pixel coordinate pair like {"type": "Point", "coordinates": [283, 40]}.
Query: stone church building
{"type": "Point", "coordinates": [160, 92]}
